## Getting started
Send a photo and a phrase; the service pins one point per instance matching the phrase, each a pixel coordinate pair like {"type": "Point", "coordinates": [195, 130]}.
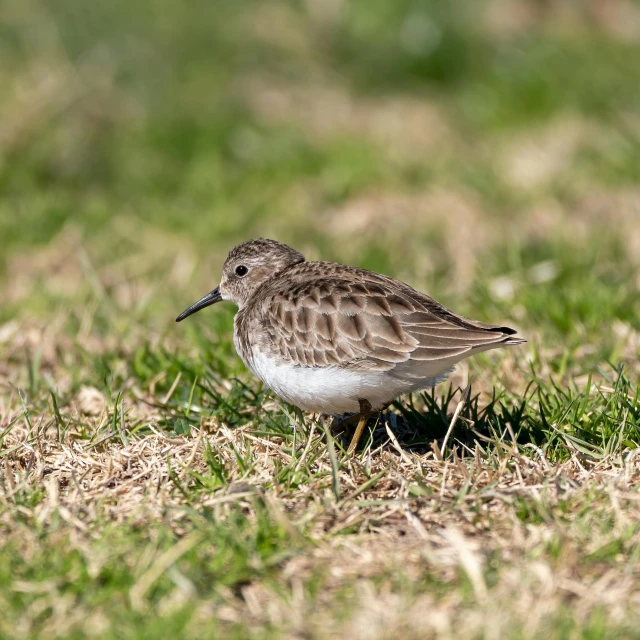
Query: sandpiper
{"type": "Point", "coordinates": [335, 339]}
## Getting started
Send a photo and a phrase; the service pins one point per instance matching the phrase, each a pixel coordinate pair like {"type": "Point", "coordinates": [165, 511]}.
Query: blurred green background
{"type": "Point", "coordinates": [486, 152]}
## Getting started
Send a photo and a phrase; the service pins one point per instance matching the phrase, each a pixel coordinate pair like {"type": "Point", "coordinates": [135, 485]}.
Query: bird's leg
{"type": "Point", "coordinates": [365, 412]}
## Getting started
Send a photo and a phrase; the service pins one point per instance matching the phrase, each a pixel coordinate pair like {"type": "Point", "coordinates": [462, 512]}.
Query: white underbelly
{"type": "Point", "coordinates": [330, 389]}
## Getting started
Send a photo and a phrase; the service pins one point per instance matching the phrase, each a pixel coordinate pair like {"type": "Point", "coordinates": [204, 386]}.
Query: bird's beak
{"type": "Point", "coordinates": [211, 298]}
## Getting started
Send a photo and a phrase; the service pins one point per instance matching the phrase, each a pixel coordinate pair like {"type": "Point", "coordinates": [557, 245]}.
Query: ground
{"type": "Point", "coordinates": [486, 153]}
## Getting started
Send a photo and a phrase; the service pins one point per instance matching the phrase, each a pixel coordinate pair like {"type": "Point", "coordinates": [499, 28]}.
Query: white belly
{"type": "Point", "coordinates": [330, 389]}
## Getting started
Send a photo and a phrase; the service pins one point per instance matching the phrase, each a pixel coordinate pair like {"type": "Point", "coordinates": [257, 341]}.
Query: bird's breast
{"type": "Point", "coordinates": [242, 339]}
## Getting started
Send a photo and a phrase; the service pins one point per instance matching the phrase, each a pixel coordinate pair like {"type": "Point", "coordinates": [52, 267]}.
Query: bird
{"type": "Point", "coordinates": [335, 339]}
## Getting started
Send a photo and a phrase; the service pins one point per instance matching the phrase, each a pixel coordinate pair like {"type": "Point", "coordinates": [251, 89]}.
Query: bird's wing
{"type": "Point", "coordinates": [367, 325]}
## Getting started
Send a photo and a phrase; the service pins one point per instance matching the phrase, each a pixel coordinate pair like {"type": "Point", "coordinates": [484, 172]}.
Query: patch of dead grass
{"type": "Point", "coordinates": [486, 539]}
{"type": "Point", "coordinates": [487, 542]}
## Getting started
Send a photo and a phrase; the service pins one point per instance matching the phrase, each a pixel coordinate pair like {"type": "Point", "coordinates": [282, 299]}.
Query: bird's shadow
{"type": "Point", "coordinates": [421, 421]}
{"type": "Point", "coordinates": [416, 421]}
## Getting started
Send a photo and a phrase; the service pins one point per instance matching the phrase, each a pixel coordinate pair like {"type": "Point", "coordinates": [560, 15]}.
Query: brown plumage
{"type": "Point", "coordinates": [323, 314]}
{"type": "Point", "coordinates": [332, 338]}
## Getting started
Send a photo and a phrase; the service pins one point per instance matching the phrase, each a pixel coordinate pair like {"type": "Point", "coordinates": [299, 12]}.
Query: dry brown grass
{"type": "Point", "coordinates": [525, 525]}
{"type": "Point", "coordinates": [522, 538]}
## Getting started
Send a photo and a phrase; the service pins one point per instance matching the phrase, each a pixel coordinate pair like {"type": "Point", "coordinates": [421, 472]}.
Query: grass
{"type": "Point", "coordinates": [149, 485]}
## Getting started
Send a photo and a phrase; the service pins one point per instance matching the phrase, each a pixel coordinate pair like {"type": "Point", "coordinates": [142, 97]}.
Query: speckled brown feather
{"type": "Point", "coordinates": [334, 339]}
{"type": "Point", "coordinates": [323, 314]}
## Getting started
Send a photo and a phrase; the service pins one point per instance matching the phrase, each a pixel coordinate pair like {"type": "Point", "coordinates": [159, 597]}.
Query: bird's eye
{"type": "Point", "coordinates": [241, 270]}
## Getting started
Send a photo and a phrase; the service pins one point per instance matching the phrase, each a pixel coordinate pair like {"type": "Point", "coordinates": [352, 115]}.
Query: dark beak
{"type": "Point", "coordinates": [211, 298]}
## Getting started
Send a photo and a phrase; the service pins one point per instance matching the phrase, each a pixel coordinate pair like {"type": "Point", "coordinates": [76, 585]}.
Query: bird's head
{"type": "Point", "coordinates": [247, 267]}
